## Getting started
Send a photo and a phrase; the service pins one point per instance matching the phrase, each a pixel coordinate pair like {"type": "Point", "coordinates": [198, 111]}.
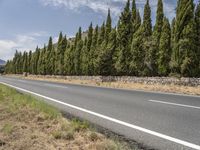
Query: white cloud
{"type": "Point", "coordinates": [103, 5]}
{"type": "Point", "coordinates": [20, 42]}
{"type": "Point", "coordinates": [96, 5]}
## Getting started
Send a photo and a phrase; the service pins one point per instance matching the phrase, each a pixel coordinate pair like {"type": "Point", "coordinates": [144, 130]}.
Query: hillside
{"type": "Point", "coordinates": [2, 62]}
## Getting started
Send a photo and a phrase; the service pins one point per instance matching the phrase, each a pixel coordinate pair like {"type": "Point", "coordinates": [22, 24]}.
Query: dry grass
{"type": "Point", "coordinates": [134, 86]}
{"type": "Point", "coordinates": [27, 123]}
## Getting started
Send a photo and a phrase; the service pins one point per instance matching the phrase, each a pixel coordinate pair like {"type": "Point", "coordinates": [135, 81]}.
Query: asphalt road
{"type": "Point", "coordinates": [158, 120]}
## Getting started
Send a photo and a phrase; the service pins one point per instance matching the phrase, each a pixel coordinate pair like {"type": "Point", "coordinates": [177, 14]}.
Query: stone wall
{"type": "Point", "coordinates": [131, 79]}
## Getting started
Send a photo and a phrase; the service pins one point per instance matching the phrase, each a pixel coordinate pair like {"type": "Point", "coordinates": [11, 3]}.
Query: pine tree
{"type": "Point", "coordinates": [184, 56]}
{"type": "Point", "coordinates": [164, 55]}
{"type": "Point", "coordinates": [124, 40]}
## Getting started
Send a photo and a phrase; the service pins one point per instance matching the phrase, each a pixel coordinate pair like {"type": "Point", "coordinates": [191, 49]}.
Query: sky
{"type": "Point", "coordinates": [24, 24]}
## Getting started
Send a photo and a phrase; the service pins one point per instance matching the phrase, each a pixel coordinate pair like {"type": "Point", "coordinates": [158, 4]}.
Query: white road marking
{"type": "Point", "coordinates": [53, 85]}
{"type": "Point", "coordinates": [175, 104]}
{"type": "Point", "coordinates": [160, 135]}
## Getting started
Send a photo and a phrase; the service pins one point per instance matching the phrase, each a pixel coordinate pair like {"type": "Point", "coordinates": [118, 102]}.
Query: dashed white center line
{"type": "Point", "coordinates": [175, 104]}
{"type": "Point", "coordinates": [57, 86]}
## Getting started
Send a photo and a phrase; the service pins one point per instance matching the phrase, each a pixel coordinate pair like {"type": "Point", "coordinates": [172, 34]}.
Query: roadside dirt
{"type": "Point", "coordinates": [131, 86]}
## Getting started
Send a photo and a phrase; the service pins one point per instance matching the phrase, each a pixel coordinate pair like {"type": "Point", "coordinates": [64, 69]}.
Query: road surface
{"type": "Point", "coordinates": [158, 120]}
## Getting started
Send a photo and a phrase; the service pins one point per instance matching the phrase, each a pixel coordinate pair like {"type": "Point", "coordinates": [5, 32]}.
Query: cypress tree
{"type": "Point", "coordinates": [108, 26]}
{"type": "Point", "coordinates": [101, 34]}
{"type": "Point", "coordinates": [89, 44]}
{"type": "Point", "coordinates": [159, 21]}
{"type": "Point", "coordinates": [137, 53]}
{"type": "Point", "coordinates": [164, 55]}
{"type": "Point", "coordinates": [25, 62]}
{"type": "Point", "coordinates": [94, 51]}
{"type": "Point", "coordinates": [135, 19]}
{"type": "Point", "coordinates": [90, 35]}
{"type": "Point", "coordinates": [197, 21]}
{"type": "Point", "coordinates": [69, 61]}
{"type": "Point", "coordinates": [77, 53]}
{"type": "Point", "coordinates": [184, 56]}
{"type": "Point", "coordinates": [50, 57]}
{"type": "Point", "coordinates": [142, 50]}
{"type": "Point", "coordinates": [84, 58]}
{"type": "Point", "coordinates": [106, 62]}
{"type": "Point", "coordinates": [147, 25]}
{"type": "Point", "coordinates": [124, 40]}
{"type": "Point", "coordinates": [36, 61]}
{"type": "Point", "coordinates": [58, 54]}
{"type": "Point", "coordinates": [30, 62]}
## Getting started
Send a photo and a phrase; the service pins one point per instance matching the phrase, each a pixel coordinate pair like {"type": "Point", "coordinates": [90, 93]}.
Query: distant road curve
{"type": "Point", "coordinates": [161, 121]}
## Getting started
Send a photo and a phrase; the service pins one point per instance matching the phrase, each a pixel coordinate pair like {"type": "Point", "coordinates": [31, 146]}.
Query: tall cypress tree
{"type": "Point", "coordinates": [106, 61]}
{"type": "Point", "coordinates": [84, 58]}
{"type": "Point", "coordinates": [94, 51]}
{"type": "Point", "coordinates": [89, 44]}
{"type": "Point", "coordinates": [108, 26]}
{"type": "Point", "coordinates": [30, 62]}
{"type": "Point", "coordinates": [25, 62]}
{"type": "Point", "coordinates": [135, 19]}
{"type": "Point", "coordinates": [184, 56]}
{"type": "Point", "coordinates": [159, 21]}
{"type": "Point", "coordinates": [147, 25]}
{"type": "Point", "coordinates": [164, 55]}
{"type": "Point", "coordinates": [142, 51]}
{"type": "Point", "coordinates": [58, 54]}
{"type": "Point", "coordinates": [50, 57]}
{"type": "Point", "coordinates": [78, 52]}
{"type": "Point", "coordinates": [124, 40]}
{"type": "Point", "coordinates": [197, 21]}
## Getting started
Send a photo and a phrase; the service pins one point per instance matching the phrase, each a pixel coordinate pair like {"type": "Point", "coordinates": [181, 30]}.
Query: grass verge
{"type": "Point", "coordinates": [28, 123]}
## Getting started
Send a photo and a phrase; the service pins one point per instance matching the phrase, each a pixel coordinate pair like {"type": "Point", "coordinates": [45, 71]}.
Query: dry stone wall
{"type": "Point", "coordinates": [130, 79]}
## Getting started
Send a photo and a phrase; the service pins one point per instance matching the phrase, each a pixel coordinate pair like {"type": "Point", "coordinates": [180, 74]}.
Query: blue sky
{"type": "Point", "coordinates": [24, 24]}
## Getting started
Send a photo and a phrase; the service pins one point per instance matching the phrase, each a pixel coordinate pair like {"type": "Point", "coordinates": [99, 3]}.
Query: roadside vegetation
{"type": "Point", "coordinates": [28, 123]}
{"type": "Point", "coordinates": [135, 47]}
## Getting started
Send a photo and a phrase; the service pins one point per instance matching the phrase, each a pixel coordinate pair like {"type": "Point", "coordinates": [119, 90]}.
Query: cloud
{"type": "Point", "coordinates": [102, 6]}
{"type": "Point", "coordinates": [24, 42]}
{"type": "Point", "coordinates": [95, 5]}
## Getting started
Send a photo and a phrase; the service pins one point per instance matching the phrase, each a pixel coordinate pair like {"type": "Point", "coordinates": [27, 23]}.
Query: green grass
{"type": "Point", "coordinates": [18, 100]}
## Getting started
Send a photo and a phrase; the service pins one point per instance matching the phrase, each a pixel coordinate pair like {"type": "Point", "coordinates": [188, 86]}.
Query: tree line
{"type": "Point", "coordinates": [134, 47]}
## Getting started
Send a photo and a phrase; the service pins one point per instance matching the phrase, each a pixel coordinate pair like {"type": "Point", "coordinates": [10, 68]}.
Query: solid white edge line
{"type": "Point", "coordinates": [166, 137]}
{"type": "Point", "coordinates": [175, 104]}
